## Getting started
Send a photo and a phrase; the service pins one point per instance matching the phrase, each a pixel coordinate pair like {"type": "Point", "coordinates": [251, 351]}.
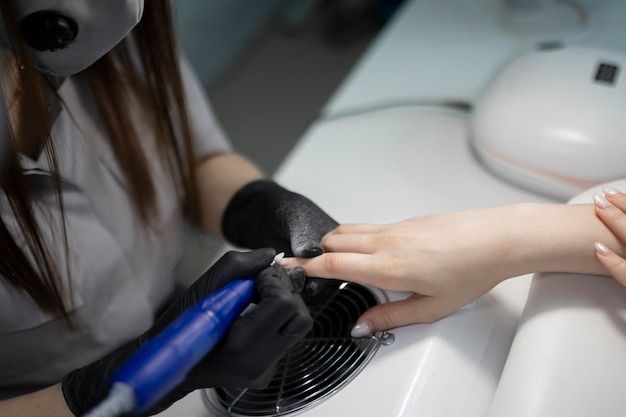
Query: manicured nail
{"type": "Point", "coordinates": [279, 257]}
{"type": "Point", "coordinates": [362, 329]}
{"type": "Point", "coordinates": [285, 262]}
{"type": "Point", "coordinates": [610, 191]}
{"type": "Point", "coordinates": [601, 248]}
{"type": "Point", "coordinates": [600, 201]}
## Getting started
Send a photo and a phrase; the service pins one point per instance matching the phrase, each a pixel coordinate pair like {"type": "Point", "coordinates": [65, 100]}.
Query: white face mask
{"type": "Point", "coordinates": [66, 36]}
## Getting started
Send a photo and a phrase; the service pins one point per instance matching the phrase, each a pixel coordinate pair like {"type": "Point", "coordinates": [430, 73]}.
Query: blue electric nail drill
{"type": "Point", "coordinates": [163, 361]}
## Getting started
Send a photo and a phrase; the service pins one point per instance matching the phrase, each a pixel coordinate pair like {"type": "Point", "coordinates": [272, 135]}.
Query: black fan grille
{"type": "Point", "coordinates": [317, 367]}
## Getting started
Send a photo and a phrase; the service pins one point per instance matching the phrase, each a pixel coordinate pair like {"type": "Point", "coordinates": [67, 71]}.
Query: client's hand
{"type": "Point", "coordinates": [446, 261]}
{"type": "Point", "coordinates": [611, 209]}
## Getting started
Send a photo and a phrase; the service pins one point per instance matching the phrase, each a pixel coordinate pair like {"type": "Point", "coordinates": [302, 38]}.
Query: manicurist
{"type": "Point", "coordinates": [108, 148]}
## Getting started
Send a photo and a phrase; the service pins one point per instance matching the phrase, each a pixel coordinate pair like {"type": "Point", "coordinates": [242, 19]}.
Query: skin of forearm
{"type": "Point", "coordinates": [48, 402]}
{"type": "Point", "coordinates": [555, 238]}
{"type": "Point", "coordinates": [219, 178]}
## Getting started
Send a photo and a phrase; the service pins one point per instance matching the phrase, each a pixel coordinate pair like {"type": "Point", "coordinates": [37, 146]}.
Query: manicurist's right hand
{"type": "Point", "coordinates": [248, 354]}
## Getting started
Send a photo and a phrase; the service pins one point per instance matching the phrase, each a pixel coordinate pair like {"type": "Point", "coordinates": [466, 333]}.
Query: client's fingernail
{"type": "Point", "coordinates": [285, 262]}
{"type": "Point", "coordinates": [362, 329]}
{"type": "Point", "coordinates": [610, 191]}
{"type": "Point", "coordinates": [279, 257]}
{"type": "Point", "coordinates": [601, 248]}
{"type": "Point", "coordinates": [600, 201]}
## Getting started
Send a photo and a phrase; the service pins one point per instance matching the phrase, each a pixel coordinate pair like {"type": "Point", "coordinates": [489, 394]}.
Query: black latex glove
{"type": "Point", "coordinates": [264, 214]}
{"type": "Point", "coordinates": [248, 354]}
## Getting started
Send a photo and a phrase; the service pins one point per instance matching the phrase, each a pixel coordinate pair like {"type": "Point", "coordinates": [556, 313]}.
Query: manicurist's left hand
{"type": "Point", "coordinates": [264, 214]}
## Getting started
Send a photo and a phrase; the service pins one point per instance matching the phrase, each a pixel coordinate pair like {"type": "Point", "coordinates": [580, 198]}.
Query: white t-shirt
{"type": "Point", "coordinates": [121, 271]}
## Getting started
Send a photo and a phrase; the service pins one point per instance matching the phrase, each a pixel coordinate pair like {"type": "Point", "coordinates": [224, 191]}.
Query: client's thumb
{"type": "Point", "coordinates": [414, 309]}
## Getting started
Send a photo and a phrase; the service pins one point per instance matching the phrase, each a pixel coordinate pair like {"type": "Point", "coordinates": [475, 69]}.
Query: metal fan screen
{"type": "Point", "coordinates": [317, 367]}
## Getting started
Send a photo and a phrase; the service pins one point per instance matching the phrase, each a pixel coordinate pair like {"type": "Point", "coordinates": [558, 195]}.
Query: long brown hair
{"type": "Point", "coordinates": [156, 86]}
